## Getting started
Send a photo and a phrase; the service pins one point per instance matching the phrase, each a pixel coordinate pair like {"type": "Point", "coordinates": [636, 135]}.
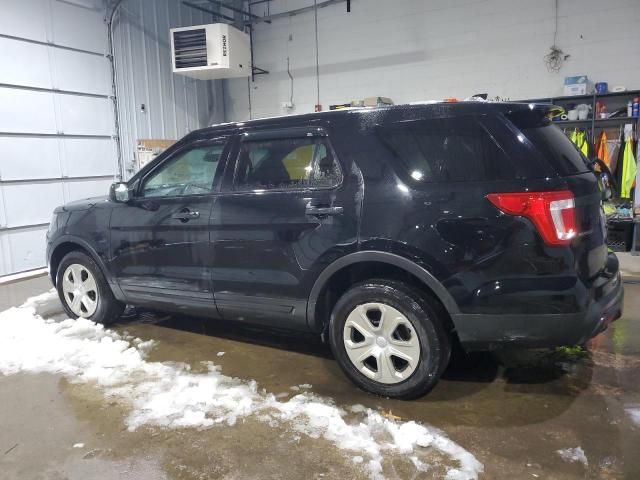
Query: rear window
{"type": "Point", "coordinates": [454, 150]}
{"type": "Point", "coordinates": [550, 142]}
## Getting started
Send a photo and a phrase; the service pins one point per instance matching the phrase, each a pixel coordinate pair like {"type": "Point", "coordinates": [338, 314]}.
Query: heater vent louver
{"type": "Point", "coordinates": [190, 48]}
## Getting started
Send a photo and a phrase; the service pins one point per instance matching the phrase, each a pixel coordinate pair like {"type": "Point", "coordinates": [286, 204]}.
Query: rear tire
{"type": "Point", "coordinates": [84, 290]}
{"type": "Point", "coordinates": [389, 338]}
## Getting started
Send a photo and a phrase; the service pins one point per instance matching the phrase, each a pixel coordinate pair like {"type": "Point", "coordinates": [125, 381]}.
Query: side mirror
{"type": "Point", "coordinates": [120, 192]}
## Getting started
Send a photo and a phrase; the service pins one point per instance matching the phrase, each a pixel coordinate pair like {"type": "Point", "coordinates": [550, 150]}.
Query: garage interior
{"type": "Point", "coordinates": [93, 90]}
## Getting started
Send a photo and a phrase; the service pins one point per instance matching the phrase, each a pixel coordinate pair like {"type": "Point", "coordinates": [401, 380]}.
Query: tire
{"type": "Point", "coordinates": [411, 318]}
{"type": "Point", "coordinates": [94, 300]}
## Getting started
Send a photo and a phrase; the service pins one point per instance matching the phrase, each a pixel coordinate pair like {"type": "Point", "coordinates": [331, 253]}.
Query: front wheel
{"type": "Point", "coordinates": [84, 291]}
{"type": "Point", "coordinates": [389, 339]}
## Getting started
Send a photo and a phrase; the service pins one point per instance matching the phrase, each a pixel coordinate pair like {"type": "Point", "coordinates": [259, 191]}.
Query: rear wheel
{"type": "Point", "coordinates": [84, 291]}
{"type": "Point", "coordinates": [389, 339]}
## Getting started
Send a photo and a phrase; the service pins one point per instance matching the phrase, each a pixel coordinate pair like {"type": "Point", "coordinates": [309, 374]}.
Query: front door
{"type": "Point", "coordinates": [160, 240]}
{"type": "Point", "coordinates": [287, 213]}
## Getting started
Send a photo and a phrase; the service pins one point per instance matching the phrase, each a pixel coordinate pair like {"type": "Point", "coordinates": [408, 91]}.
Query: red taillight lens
{"type": "Point", "coordinates": [552, 213]}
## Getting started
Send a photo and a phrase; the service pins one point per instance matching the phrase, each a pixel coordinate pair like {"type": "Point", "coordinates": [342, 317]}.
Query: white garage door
{"type": "Point", "coordinates": [56, 119]}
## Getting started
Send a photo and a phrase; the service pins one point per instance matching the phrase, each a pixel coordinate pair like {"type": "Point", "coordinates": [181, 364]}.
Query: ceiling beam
{"type": "Point", "coordinates": [233, 9]}
{"type": "Point", "coordinates": [206, 10]}
{"type": "Point", "coordinates": [290, 13]}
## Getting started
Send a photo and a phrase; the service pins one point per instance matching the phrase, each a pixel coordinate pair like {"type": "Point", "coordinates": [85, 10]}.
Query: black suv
{"type": "Point", "coordinates": [394, 232]}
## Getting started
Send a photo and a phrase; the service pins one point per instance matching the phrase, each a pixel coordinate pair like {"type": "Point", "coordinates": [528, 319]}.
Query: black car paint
{"type": "Point", "coordinates": [256, 256]}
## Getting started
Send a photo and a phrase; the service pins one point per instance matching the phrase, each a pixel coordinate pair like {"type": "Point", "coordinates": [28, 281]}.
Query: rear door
{"type": "Point", "coordinates": [287, 211]}
{"type": "Point", "coordinates": [160, 240]}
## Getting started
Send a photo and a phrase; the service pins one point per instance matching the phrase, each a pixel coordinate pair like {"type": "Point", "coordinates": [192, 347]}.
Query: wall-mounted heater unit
{"type": "Point", "coordinates": [208, 52]}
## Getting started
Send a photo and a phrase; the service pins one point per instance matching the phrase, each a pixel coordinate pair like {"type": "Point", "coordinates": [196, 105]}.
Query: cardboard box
{"type": "Point", "coordinates": [376, 101]}
{"type": "Point", "coordinates": [578, 85]}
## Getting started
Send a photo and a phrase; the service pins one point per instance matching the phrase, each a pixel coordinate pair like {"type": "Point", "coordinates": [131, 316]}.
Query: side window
{"type": "Point", "coordinates": [190, 172]}
{"type": "Point", "coordinates": [455, 150]}
{"type": "Point", "coordinates": [286, 163]}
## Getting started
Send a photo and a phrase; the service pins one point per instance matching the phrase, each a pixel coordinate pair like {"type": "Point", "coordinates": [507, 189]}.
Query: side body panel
{"type": "Point", "coordinates": [490, 263]}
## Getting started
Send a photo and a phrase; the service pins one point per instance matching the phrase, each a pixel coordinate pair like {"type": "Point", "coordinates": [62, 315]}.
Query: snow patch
{"type": "Point", "coordinates": [634, 413]}
{"type": "Point", "coordinates": [419, 464]}
{"type": "Point", "coordinates": [220, 354]}
{"type": "Point", "coordinates": [78, 445]}
{"type": "Point", "coordinates": [574, 455]}
{"type": "Point", "coordinates": [170, 395]}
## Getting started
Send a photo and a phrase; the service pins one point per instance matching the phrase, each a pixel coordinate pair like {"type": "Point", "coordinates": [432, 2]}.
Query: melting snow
{"type": "Point", "coordinates": [170, 395]}
{"type": "Point", "coordinates": [220, 354]}
{"type": "Point", "coordinates": [634, 412]}
{"type": "Point", "coordinates": [574, 455]}
{"type": "Point", "coordinates": [78, 445]}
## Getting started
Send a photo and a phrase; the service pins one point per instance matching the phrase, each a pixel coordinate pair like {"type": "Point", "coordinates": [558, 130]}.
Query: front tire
{"type": "Point", "coordinates": [84, 290]}
{"type": "Point", "coordinates": [389, 339]}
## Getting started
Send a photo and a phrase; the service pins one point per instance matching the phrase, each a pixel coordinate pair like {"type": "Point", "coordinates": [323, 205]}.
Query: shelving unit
{"type": "Point", "coordinates": [613, 102]}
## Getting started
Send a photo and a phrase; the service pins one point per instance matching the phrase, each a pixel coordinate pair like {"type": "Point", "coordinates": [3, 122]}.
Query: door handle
{"type": "Point", "coordinates": [185, 215]}
{"type": "Point", "coordinates": [318, 211]}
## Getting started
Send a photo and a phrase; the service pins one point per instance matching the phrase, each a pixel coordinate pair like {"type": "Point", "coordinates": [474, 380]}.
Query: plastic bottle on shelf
{"type": "Point", "coordinates": [636, 107]}
{"type": "Point", "coordinates": [603, 111]}
{"type": "Point", "coordinates": [630, 109]}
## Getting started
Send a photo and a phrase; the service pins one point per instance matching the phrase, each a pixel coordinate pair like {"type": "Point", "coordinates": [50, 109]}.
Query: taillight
{"type": "Point", "coordinates": [552, 213]}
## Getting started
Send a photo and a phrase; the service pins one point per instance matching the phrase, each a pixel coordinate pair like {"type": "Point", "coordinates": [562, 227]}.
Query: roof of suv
{"type": "Point", "coordinates": [429, 109]}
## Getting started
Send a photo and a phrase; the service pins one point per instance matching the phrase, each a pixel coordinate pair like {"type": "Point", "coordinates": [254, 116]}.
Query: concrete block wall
{"type": "Point", "coordinates": [413, 50]}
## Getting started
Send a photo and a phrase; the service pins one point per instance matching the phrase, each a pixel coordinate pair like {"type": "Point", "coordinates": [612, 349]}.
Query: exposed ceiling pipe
{"type": "Point", "coordinates": [233, 9]}
{"type": "Point", "coordinates": [315, 15]}
{"type": "Point", "coordinates": [210, 12]}
{"type": "Point", "coordinates": [114, 87]}
{"type": "Point", "coordinates": [298, 11]}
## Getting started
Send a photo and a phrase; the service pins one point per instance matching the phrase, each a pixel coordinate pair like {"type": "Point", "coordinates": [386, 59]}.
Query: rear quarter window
{"type": "Point", "coordinates": [557, 149]}
{"type": "Point", "coordinates": [550, 142]}
{"type": "Point", "coordinates": [447, 150]}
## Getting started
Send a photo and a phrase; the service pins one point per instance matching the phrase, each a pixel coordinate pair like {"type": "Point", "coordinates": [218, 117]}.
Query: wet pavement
{"type": "Point", "coordinates": [514, 410]}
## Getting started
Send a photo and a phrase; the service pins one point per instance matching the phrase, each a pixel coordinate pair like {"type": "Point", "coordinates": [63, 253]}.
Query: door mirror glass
{"type": "Point", "coordinates": [120, 192]}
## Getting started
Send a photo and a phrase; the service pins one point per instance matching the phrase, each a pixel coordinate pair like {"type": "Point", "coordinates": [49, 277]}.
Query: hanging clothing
{"type": "Point", "coordinates": [636, 202]}
{"type": "Point", "coordinates": [619, 161]}
{"type": "Point", "coordinates": [629, 169]}
{"type": "Point", "coordinates": [579, 138]}
{"type": "Point", "coordinates": [602, 149]}
{"type": "Point", "coordinates": [613, 146]}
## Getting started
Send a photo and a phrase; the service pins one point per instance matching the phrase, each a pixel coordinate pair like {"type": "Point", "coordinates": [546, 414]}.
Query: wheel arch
{"type": "Point", "coordinates": [317, 320]}
{"type": "Point", "coordinates": [67, 244]}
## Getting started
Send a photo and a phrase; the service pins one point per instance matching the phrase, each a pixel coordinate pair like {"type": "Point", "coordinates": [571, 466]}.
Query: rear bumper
{"type": "Point", "coordinates": [488, 332]}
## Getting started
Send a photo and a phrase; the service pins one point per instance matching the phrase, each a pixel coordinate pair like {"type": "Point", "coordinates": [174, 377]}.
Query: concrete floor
{"type": "Point", "coordinates": [513, 411]}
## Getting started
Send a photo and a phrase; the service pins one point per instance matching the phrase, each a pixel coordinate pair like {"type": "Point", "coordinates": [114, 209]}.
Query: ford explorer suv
{"type": "Point", "coordinates": [393, 232]}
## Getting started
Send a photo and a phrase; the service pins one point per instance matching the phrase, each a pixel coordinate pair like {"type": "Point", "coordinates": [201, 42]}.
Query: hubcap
{"type": "Point", "coordinates": [80, 290]}
{"type": "Point", "coordinates": [381, 342]}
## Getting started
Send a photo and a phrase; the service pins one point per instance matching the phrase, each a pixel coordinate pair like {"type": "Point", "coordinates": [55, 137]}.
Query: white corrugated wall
{"type": "Point", "coordinates": [174, 104]}
{"type": "Point", "coordinates": [57, 126]}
